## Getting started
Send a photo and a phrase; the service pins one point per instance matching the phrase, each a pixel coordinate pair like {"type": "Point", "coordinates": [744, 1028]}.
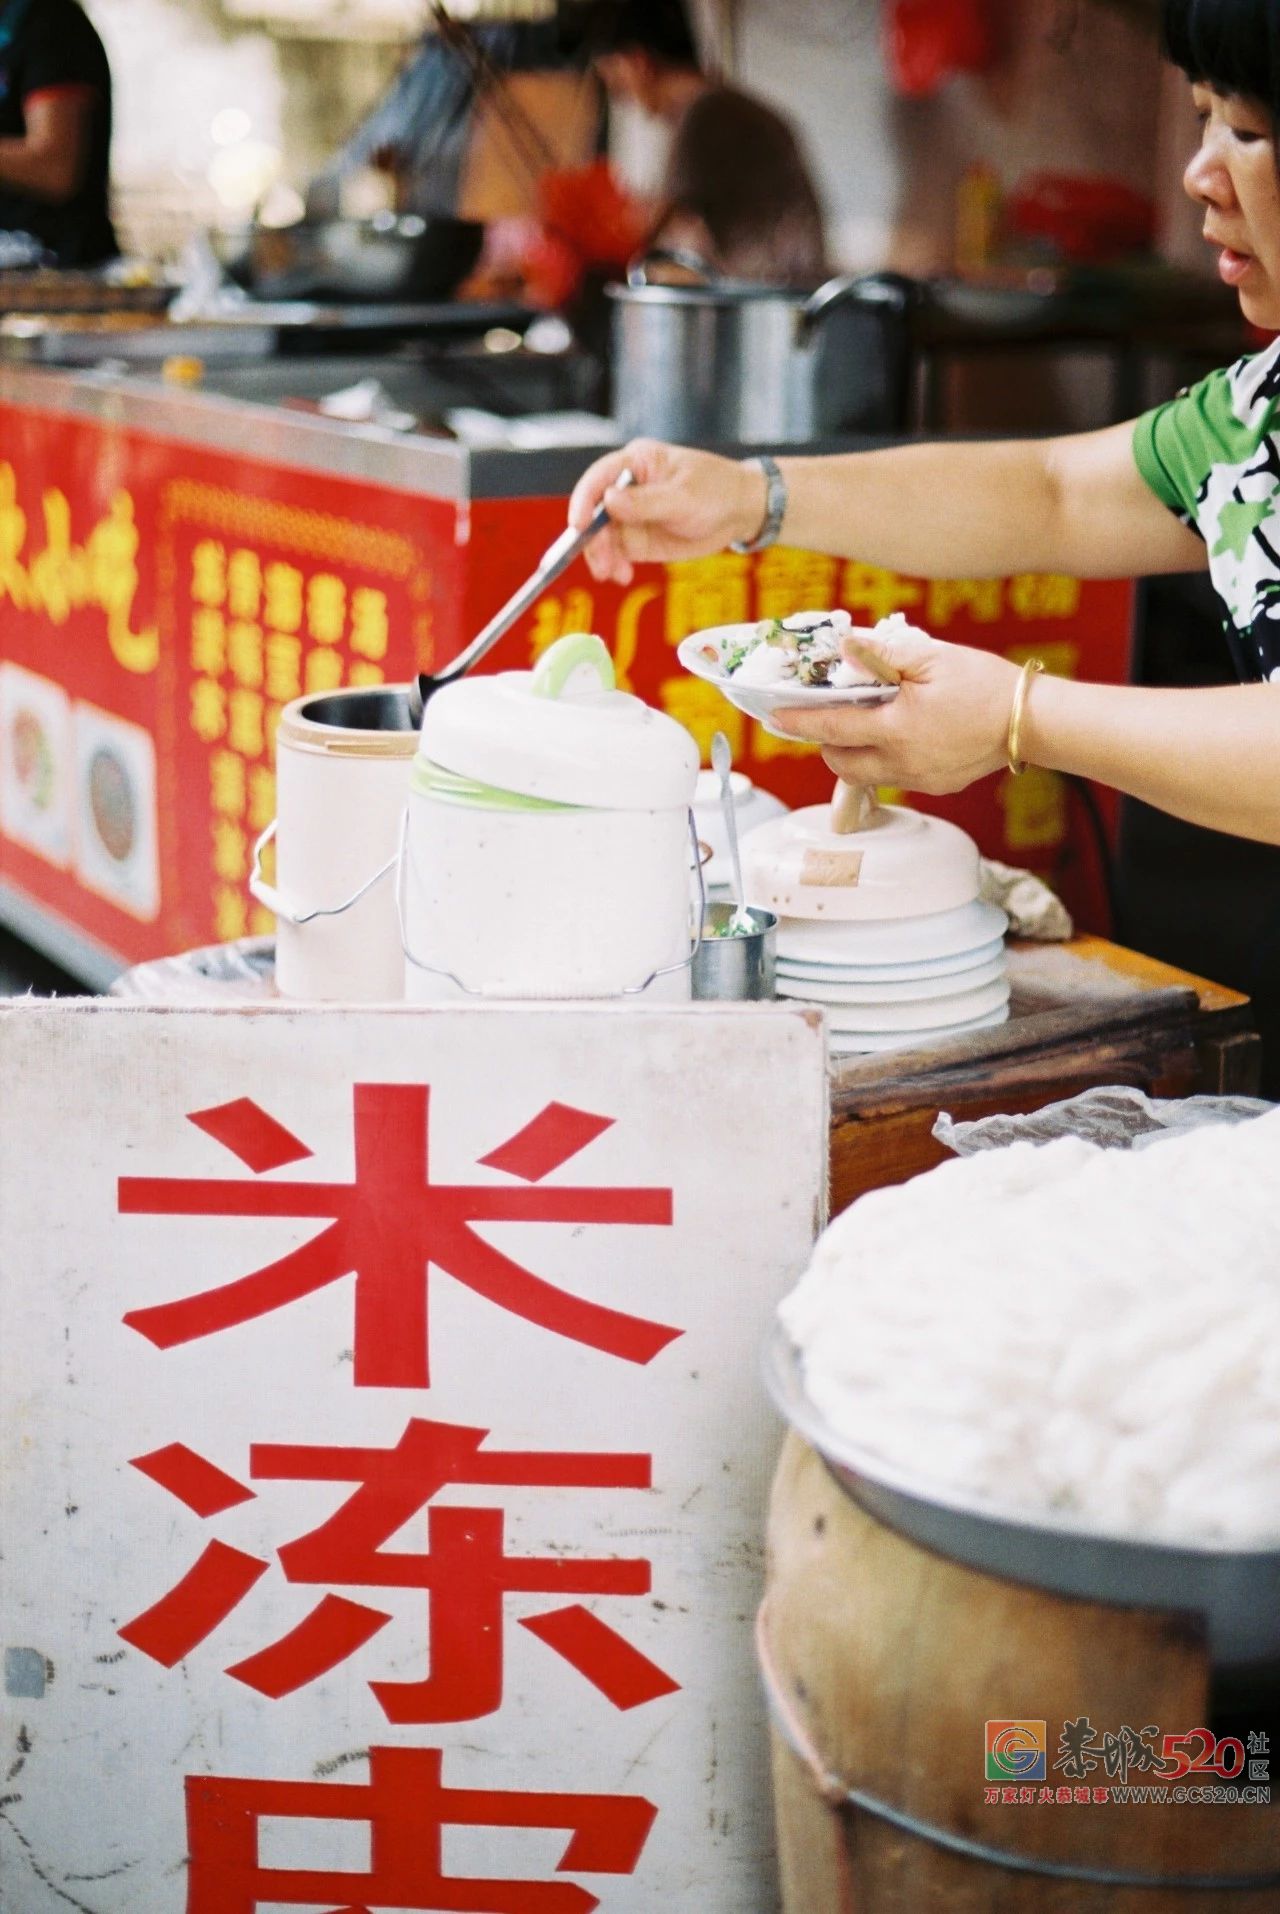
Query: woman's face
{"type": "Point", "coordinates": [1234, 176]}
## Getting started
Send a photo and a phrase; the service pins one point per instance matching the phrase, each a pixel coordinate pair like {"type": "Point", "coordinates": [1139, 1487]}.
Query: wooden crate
{"type": "Point", "coordinates": [1084, 1013]}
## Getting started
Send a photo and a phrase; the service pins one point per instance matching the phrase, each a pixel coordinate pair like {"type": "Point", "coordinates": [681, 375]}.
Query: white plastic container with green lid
{"type": "Point", "coordinates": [548, 847]}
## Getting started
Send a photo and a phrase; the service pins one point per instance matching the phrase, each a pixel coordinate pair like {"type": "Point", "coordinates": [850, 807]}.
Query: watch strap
{"type": "Point", "coordinates": [775, 509]}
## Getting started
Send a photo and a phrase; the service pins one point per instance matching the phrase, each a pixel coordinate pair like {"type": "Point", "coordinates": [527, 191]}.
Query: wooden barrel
{"type": "Point", "coordinates": [883, 1664]}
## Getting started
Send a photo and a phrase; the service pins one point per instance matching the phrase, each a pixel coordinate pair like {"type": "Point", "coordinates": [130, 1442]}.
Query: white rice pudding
{"type": "Point", "coordinates": [1063, 1327]}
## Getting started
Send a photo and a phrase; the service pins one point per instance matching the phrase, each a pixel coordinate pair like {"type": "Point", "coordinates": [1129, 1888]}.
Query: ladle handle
{"type": "Point", "coordinates": [556, 559]}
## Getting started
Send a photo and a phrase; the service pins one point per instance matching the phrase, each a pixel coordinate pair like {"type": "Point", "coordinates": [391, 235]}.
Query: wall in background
{"type": "Point", "coordinates": [177, 65]}
{"type": "Point", "coordinates": [1077, 89]}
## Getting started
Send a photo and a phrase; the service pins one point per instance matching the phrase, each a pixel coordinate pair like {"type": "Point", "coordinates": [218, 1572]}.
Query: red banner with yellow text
{"type": "Point", "coordinates": [161, 603]}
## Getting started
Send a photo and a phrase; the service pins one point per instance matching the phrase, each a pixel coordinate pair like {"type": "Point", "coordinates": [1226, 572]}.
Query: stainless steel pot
{"type": "Point", "coordinates": [720, 360]}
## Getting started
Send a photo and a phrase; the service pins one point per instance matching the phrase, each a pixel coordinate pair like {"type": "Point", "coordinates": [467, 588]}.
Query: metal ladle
{"type": "Point", "coordinates": [722, 764]}
{"type": "Point", "coordinates": [554, 561]}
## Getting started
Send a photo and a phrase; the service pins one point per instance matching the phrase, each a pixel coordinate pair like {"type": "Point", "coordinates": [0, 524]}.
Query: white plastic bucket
{"type": "Point", "coordinates": [549, 839]}
{"type": "Point", "coordinates": [343, 761]}
{"type": "Point", "coordinates": [503, 898]}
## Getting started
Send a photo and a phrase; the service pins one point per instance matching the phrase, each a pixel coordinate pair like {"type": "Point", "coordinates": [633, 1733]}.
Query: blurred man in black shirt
{"type": "Point", "coordinates": [55, 130]}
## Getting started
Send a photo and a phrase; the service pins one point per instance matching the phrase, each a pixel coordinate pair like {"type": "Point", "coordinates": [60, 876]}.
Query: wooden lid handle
{"type": "Point", "coordinates": [853, 806]}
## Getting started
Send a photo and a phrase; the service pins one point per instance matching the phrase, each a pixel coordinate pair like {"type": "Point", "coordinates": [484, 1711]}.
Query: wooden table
{"type": "Point", "coordinates": [1084, 1013]}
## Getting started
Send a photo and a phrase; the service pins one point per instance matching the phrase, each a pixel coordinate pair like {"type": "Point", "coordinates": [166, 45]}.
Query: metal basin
{"type": "Point", "coordinates": [388, 257]}
{"type": "Point", "coordinates": [1235, 1590]}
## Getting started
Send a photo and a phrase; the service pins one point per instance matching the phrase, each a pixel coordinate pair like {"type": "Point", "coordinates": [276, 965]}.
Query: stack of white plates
{"type": "Point", "coordinates": [891, 985]}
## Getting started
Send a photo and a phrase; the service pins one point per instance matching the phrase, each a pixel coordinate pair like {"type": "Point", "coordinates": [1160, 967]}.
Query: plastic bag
{"type": "Point", "coordinates": [239, 973]}
{"type": "Point", "coordinates": [1116, 1117]}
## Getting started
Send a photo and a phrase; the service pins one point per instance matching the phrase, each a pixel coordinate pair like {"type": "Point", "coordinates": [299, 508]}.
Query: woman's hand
{"type": "Point", "coordinates": [948, 725]}
{"type": "Point", "coordinates": [684, 504]}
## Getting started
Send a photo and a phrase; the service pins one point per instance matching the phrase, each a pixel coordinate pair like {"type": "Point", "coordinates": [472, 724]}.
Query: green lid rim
{"type": "Point", "coordinates": [431, 780]}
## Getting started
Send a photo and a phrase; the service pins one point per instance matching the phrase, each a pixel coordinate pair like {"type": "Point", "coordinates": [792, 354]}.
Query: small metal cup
{"type": "Point", "coordinates": [740, 969]}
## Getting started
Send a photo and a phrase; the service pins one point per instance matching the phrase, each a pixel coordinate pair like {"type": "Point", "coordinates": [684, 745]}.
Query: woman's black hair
{"type": "Point", "coordinates": [1231, 45]}
{"type": "Point", "coordinates": [657, 27]}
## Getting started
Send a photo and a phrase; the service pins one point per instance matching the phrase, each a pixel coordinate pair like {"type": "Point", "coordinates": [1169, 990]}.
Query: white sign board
{"type": "Point", "coordinates": [384, 1456]}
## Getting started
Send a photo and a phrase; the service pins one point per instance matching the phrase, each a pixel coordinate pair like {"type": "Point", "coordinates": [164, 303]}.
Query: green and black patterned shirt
{"type": "Point", "coordinates": [1213, 456]}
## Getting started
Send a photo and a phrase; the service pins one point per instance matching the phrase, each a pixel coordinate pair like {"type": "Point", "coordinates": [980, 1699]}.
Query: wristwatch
{"type": "Point", "coordinates": [775, 508]}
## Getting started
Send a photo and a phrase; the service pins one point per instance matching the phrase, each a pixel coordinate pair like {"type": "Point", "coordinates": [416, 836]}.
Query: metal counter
{"type": "Point", "coordinates": [438, 468]}
{"type": "Point", "coordinates": [220, 415]}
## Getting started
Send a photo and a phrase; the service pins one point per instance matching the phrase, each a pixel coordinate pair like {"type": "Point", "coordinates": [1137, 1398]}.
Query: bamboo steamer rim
{"type": "Point", "coordinates": [304, 734]}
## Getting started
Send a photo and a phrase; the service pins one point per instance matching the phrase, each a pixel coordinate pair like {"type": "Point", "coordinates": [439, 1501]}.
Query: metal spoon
{"type": "Point", "coordinates": [556, 559]}
{"type": "Point", "coordinates": [722, 765]}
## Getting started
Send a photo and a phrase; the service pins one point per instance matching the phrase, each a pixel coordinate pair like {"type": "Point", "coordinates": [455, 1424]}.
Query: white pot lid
{"type": "Point", "coordinates": [752, 808]}
{"type": "Point", "coordinates": [562, 732]}
{"type": "Point", "coordinates": [904, 864]}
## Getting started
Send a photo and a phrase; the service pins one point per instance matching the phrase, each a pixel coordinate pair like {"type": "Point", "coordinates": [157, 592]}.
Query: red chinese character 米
{"type": "Point", "coordinates": [406, 1806]}
{"type": "Point", "coordinates": [390, 1223]}
{"type": "Point", "coordinates": [465, 1570]}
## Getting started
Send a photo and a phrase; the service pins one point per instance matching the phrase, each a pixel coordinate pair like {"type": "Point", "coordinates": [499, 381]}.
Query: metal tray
{"type": "Point", "coordinates": [1236, 1591]}
{"type": "Point", "coordinates": [25, 339]}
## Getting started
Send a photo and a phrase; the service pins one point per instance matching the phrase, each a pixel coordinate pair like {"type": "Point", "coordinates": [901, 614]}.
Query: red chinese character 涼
{"type": "Point", "coordinates": [465, 1571]}
{"type": "Point", "coordinates": [393, 1221]}
{"type": "Point", "coordinates": [406, 1807]}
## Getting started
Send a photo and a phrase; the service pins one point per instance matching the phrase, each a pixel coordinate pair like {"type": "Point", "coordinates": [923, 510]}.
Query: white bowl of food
{"type": "Point", "coordinates": [780, 663]}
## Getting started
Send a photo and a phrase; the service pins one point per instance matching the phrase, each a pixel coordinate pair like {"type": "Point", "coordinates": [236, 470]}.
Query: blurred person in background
{"type": "Point", "coordinates": [421, 129]}
{"type": "Point", "coordinates": [737, 189]}
{"type": "Point", "coordinates": [55, 136]}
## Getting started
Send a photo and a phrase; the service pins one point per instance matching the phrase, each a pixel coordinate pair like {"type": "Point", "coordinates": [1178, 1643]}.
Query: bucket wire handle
{"type": "Point", "coordinates": [699, 866]}
{"type": "Point", "coordinates": [401, 863]}
{"type": "Point", "coordinates": [298, 914]}
{"type": "Point", "coordinates": [695, 929]}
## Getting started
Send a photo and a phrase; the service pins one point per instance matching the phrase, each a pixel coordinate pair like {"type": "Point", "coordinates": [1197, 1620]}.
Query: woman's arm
{"type": "Point", "coordinates": [964, 510]}
{"type": "Point", "coordinates": [951, 509]}
{"type": "Point", "coordinates": [49, 161]}
{"type": "Point", "coordinates": [1211, 756]}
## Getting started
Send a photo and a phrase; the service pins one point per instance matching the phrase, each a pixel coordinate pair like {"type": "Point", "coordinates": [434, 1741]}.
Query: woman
{"type": "Point", "coordinates": [1192, 486]}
